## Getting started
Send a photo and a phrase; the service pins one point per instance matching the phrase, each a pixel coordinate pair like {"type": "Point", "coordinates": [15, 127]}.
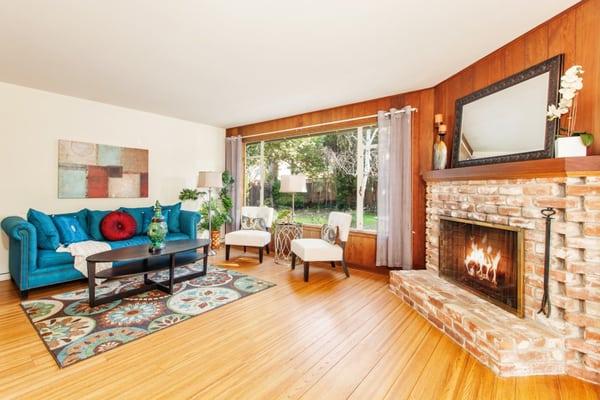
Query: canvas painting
{"type": "Point", "coordinates": [87, 170]}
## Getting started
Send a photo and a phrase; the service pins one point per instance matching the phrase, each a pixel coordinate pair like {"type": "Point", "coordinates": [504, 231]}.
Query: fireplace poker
{"type": "Point", "coordinates": [546, 305]}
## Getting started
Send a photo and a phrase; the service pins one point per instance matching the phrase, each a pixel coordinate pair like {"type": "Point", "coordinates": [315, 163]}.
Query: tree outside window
{"type": "Point", "coordinates": [341, 172]}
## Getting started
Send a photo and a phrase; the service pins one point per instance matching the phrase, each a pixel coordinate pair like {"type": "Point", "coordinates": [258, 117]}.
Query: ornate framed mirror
{"type": "Point", "coordinates": [506, 121]}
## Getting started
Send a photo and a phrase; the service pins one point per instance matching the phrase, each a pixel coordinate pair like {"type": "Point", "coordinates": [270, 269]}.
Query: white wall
{"type": "Point", "coordinates": [32, 122]}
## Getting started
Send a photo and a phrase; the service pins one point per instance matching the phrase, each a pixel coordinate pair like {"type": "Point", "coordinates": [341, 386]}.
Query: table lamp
{"type": "Point", "coordinates": [293, 184]}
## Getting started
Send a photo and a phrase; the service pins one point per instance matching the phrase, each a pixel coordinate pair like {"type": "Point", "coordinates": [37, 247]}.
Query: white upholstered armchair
{"type": "Point", "coordinates": [251, 234]}
{"type": "Point", "coordinates": [331, 250]}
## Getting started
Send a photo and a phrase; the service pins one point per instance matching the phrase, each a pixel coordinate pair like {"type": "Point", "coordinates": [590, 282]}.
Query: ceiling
{"type": "Point", "coordinates": [229, 63]}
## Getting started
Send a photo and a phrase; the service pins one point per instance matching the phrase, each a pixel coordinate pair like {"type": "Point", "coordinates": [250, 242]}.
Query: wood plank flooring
{"type": "Point", "coordinates": [331, 338]}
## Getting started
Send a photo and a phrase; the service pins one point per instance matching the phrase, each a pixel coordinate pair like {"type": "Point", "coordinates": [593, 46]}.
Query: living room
{"type": "Point", "coordinates": [366, 200]}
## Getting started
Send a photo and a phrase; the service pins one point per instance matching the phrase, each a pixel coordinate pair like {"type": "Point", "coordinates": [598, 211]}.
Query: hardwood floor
{"type": "Point", "coordinates": [331, 338]}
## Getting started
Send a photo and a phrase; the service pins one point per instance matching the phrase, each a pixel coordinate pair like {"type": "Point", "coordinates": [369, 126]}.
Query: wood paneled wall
{"type": "Point", "coordinates": [361, 246]}
{"type": "Point", "coordinates": [574, 33]}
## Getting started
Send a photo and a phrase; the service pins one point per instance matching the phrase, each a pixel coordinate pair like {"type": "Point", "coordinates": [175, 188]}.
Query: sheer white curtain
{"type": "Point", "coordinates": [394, 191]}
{"type": "Point", "coordinates": [233, 164]}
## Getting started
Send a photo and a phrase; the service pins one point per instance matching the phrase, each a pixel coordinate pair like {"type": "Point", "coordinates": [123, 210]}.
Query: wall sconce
{"type": "Point", "coordinates": [440, 151]}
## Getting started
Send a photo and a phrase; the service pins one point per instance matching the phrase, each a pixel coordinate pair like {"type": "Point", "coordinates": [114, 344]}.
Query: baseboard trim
{"type": "Point", "coordinates": [5, 276]}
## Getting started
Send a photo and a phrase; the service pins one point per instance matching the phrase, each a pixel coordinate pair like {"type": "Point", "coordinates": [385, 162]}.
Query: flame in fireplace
{"type": "Point", "coordinates": [481, 263]}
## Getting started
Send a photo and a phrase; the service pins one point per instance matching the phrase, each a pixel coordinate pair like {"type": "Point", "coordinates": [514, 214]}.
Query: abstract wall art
{"type": "Point", "coordinates": [87, 170]}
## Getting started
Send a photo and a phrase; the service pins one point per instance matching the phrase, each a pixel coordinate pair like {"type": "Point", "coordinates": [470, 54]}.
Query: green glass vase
{"type": "Point", "coordinates": [157, 230]}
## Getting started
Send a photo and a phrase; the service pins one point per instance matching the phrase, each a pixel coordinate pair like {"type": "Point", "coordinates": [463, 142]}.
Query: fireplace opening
{"type": "Point", "coordinates": [484, 258]}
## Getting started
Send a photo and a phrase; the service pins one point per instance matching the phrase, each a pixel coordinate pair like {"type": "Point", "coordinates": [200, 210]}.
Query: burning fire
{"type": "Point", "coordinates": [481, 263]}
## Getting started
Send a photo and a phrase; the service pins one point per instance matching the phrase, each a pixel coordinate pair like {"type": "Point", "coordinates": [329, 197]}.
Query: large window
{"type": "Point", "coordinates": [341, 172]}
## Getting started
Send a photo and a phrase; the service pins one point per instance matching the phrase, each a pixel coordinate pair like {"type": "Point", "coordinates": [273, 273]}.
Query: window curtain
{"type": "Point", "coordinates": [234, 164]}
{"type": "Point", "coordinates": [394, 191]}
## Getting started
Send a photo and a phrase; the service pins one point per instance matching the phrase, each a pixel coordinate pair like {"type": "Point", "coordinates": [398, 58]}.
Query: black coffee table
{"type": "Point", "coordinates": [144, 262]}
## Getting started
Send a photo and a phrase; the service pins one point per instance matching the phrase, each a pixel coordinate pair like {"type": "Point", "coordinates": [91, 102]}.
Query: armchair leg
{"type": "Point", "coordinates": [293, 261]}
{"type": "Point", "coordinates": [306, 265]}
{"type": "Point", "coordinates": [24, 294]}
{"type": "Point", "coordinates": [244, 249]}
{"type": "Point", "coordinates": [260, 254]}
{"type": "Point", "coordinates": [345, 268]}
{"type": "Point", "coordinates": [227, 250]}
{"type": "Point", "coordinates": [333, 264]}
{"type": "Point", "coordinates": [267, 248]}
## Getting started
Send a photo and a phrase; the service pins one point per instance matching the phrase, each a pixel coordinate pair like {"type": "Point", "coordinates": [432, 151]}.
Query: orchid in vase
{"type": "Point", "coordinates": [570, 84]}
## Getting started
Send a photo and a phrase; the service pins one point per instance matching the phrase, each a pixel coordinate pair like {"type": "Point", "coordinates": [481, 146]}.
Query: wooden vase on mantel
{"type": "Point", "coordinates": [215, 240]}
{"type": "Point", "coordinates": [440, 153]}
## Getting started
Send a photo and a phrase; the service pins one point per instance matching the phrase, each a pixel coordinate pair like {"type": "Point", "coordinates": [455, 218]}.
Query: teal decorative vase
{"type": "Point", "coordinates": [157, 230]}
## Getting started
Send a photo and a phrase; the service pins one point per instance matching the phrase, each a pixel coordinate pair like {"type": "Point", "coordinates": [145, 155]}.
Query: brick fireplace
{"type": "Point", "coordinates": [460, 203]}
{"type": "Point", "coordinates": [484, 258]}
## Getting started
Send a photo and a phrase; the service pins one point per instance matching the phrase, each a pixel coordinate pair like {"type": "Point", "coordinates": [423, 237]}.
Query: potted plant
{"type": "Point", "coordinates": [219, 217]}
{"type": "Point", "coordinates": [189, 199]}
{"type": "Point", "coordinates": [284, 217]}
{"type": "Point", "coordinates": [569, 143]}
{"type": "Point", "coordinates": [220, 211]}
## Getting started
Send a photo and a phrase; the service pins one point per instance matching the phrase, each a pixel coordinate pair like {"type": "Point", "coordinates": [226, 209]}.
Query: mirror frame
{"type": "Point", "coordinates": [553, 65]}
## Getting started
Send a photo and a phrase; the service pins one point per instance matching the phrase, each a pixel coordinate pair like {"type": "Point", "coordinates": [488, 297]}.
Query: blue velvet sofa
{"type": "Point", "coordinates": [33, 267]}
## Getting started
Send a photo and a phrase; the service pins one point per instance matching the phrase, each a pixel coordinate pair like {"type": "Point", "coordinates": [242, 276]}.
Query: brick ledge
{"type": "Point", "coordinates": [508, 345]}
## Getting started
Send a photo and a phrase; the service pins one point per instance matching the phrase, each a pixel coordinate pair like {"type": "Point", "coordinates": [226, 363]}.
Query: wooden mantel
{"type": "Point", "coordinates": [551, 167]}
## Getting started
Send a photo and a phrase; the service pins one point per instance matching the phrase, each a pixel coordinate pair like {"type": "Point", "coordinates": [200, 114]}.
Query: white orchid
{"type": "Point", "coordinates": [567, 93]}
{"type": "Point", "coordinates": [575, 70]}
{"type": "Point", "coordinates": [565, 103]}
{"type": "Point", "coordinates": [570, 83]}
{"type": "Point", "coordinates": [555, 112]}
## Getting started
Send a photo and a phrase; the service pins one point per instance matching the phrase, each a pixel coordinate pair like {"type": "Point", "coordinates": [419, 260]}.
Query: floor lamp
{"type": "Point", "coordinates": [293, 184]}
{"type": "Point", "coordinates": [210, 180]}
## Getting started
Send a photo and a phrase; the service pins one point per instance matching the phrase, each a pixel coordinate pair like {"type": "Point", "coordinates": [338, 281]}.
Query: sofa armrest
{"type": "Point", "coordinates": [22, 253]}
{"type": "Point", "coordinates": [188, 221]}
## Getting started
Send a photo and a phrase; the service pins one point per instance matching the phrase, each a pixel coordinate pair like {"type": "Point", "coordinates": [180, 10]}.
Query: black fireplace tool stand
{"type": "Point", "coordinates": [546, 308]}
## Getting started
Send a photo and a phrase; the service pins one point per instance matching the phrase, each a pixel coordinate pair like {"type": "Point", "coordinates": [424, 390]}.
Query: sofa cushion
{"type": "Point", "coordinates": [316, 250]}
{"type": "Point", "coordinates": [171, 215]}
{"type": "Point", "coordinates": [94, 220]}
{"type": "Point", "coordinates": [51, 258]}
{"type": "Point", "coordinates": [176, 236]}
{"type": "Point", "coordinates": [118, 225]}
{"type": "Point", "coordinates": [134, 241]}
{"type": "Point", "coordinates": [70, 230]}
{"type": "Point", "coordinates": [47, 235]}
{"type": "Point", "coordinates": [139, 214]}
{"type": "Point", "coordinates": [248, 238]}
{"type": "Point", "coordinates": [81, 216]}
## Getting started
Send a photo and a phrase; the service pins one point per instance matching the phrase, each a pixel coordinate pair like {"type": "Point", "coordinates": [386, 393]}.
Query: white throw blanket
{"type": "Point", "coordinates": [81, 250]}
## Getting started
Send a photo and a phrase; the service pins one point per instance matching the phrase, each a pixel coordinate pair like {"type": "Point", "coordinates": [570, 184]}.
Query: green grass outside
{"type": "Point", "coordinates": [319, 217]}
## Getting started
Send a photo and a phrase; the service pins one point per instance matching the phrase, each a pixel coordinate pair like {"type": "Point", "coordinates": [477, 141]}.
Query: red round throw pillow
{"type": "Point", "coordinates": [118, 225]}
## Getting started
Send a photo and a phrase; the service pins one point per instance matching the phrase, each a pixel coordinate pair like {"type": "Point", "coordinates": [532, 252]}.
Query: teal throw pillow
{"type": "Point", "coordinates": [140, 214]}
{"type": "Point", "coordinates": [94, 220]}
{"type": "Point", "coordinates": [81, 216]}
{"type": "Point", "coordinates": [171, 215]}
{"type": "Point", "coordinates": [48, 237]}
{"type": "Point", "coordinates": [70, 230]}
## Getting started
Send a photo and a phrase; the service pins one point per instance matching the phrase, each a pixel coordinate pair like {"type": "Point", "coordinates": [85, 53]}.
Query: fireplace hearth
{"type": "Point", "coordinates": [485, 259]}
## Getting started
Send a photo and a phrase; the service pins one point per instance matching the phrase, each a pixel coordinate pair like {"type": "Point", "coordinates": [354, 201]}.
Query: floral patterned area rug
{"type": "Point", "coordinates": [73, 331]}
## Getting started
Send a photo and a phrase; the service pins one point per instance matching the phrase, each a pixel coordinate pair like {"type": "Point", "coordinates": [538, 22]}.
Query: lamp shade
{"type": "Point", "coordinates": [293, 184]}
{"type": "Point", "coordinates": [209, 179]}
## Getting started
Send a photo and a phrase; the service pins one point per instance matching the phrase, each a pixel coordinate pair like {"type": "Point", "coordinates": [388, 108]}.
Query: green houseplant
{"type": "Point", "coordinates": [220, 211]}
{"type": "Point", "coordinates": [190, 198]}
{"type": "Point", "coordinates": [189, 194]}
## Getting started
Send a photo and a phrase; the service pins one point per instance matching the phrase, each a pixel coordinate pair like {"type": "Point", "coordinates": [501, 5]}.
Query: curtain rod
{"type": "Point", "coordinates": [387, 114]}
